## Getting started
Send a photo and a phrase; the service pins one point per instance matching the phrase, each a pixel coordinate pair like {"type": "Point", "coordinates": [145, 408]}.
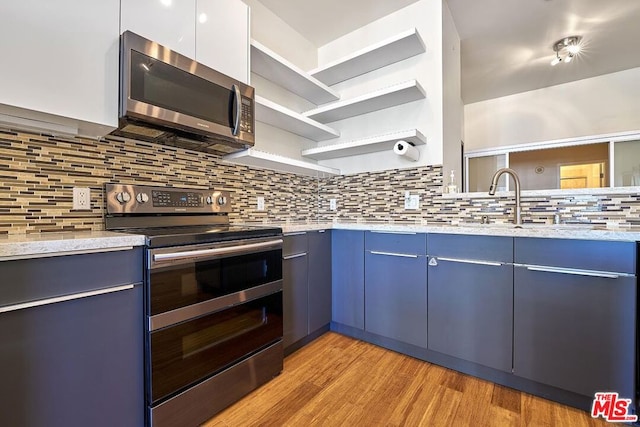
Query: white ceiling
{"type": "Point", "coordinates": [506, 44]}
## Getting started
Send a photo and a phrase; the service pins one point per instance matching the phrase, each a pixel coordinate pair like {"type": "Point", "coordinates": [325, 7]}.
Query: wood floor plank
{"type": "Point", "coordinates": [506, 398]}
{"type": "Point", "coordinates": [339, 381]}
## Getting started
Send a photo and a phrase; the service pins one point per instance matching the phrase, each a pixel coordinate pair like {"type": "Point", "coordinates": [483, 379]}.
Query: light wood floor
{"type": "Point", "coordinates": [339, 381]}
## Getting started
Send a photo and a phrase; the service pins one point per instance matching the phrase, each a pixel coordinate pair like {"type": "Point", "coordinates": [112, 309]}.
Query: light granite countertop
{"type": "Point", "coordinates": [561, 231]}
{"type": "Point", "coordinates": [22, 246]}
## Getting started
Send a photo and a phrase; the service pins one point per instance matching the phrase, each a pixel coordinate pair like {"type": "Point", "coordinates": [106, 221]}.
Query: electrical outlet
{"type": "Point", "coordinates": [411, 201]}
{"type": "Point", "coordinates": [81, 199]}
{"type": "Point", "coordinates": [333, 204]}
{"type": "Point", "coordinates": [260, 203]}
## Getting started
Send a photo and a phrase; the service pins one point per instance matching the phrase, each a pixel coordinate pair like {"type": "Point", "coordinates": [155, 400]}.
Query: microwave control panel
{"type": "Point", "coordinates": [246, 116]}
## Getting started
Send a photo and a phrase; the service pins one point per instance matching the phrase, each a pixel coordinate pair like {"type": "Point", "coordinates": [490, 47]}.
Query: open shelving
{"type": "Point", "coordinates": [281, 117]}
{"type": "Point", "coordinates": [365, 145]}
{"type": "Point", "coordinates": [384, 98]}
{"type": "Point", "coordinates": [278, 70]}
{"type": "Point", "coordinates": [378, 55]}
{"type": "Point", "coordinates": [262, 159]}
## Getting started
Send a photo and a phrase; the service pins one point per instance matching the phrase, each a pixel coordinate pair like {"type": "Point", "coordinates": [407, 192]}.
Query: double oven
{"type": "Point", "coordinates": [213, 300]}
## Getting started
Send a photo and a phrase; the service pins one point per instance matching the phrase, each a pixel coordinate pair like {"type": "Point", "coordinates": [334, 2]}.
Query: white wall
{"type": "Point", "coordinates": [270, 30]}
{"type": "Point", "coordinates": [599, 105]}
{"type": "Point", "coordinates": [425, 115]}
{"type": "Point", "coordinates": [453, 108]}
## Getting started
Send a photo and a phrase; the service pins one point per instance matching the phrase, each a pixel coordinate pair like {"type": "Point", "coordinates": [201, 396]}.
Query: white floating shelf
{"type": "Point", "coordinates": [275, 68]}
{"type": "Point", "coordinates": [365, 146]}
{"type": "Point", "coordinates": [384, 98]}
{"type": "Point", "coordinates": [264, 160]}
{"type": "Point", "coordinates": [394, 49]}
{"type": "Point", "coordinates": [281, 117]}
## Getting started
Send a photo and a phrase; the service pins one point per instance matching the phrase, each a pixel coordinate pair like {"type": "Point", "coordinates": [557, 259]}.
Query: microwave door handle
{"type": "Point", "coordinates": [237, 105]}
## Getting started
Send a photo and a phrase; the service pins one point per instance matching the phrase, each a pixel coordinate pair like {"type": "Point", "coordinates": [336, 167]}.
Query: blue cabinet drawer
{"type": "Point", "coordinates": [463, 246]}
{"type": "Point", "coordinates": [403, 243]}
{"type": "Point", "coordinates": [596, 255]}
{"type": "Point", "coordinates": [42, 278]}
{"type": "Point", "coordinates": [294, 243]}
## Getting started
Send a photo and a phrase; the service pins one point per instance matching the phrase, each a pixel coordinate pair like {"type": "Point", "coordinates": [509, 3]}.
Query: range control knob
{"type": "Point", "coordinates": [209, 200]}
{"type": "Point", "coordinates": [123, 197]}
{"type": "Point", "coordinates": [222, 200]}
{"type": "Point", "coordinates": [142, 197]}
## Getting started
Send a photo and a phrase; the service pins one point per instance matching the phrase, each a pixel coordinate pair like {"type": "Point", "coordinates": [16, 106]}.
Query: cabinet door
{"type": "Point", "coordinates": [222, 35]}
{"type": "Point", "coordinates": [347, 283]}
{"type": "Point", "coordinates": [573, 331]}
{"type": "Point", "coordinates": [319, 279]}
{"type": "Point", "coordinates": [295, 295]}
{"type": "Point", "coordinates": [169, 23]}
{"type": "Point", "coordinates": [471, 310]}
{"type": "Point", "coordinates": [396, 296]}
{"type": "Point", "coordinates": [60, 58]}
{"type": "Point", "coordinates": [74, 363]}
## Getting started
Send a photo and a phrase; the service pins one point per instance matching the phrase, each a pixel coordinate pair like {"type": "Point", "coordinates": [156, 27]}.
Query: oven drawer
{"type": "Point", "coordinates": [187, 277]}
{"type": "Point", "coordinates": [192, 351]}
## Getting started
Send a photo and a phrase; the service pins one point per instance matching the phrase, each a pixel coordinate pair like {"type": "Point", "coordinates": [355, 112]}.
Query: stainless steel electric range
{"type": "Point", "coordinates": [213, 299]}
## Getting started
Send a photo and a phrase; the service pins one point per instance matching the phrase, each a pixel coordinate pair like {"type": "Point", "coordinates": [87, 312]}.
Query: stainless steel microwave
{"type": "Point", "coordinates": [168, 98]}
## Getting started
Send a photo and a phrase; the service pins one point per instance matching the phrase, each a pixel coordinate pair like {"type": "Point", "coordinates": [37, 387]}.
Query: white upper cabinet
{"type": "Point", "coordinates": [60, 65]}
{"type": "Point", "coordinates": [170, 23]}
{"type": "Point", "coordinates": [213, 32]}
{"type": "Point", "coordinates": [222, 37]}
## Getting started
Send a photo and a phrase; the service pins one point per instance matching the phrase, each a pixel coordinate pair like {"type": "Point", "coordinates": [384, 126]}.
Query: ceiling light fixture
{"type": "Point", "coordinates": [566, 49]}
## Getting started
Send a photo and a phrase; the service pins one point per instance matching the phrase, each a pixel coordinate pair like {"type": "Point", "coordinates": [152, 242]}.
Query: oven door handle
{"type": "Point", "coordinates": [202, 254]}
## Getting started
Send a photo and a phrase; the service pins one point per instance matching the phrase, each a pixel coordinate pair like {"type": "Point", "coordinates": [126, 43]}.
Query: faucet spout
{"type": "Point", "coordinates": [516, 179]}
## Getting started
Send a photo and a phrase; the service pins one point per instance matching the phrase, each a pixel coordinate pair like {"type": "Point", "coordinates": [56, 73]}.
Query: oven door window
{"type": "Point", "coordinates": [190, 283]}
{"type": "Point", "coordinates": [189, 352]}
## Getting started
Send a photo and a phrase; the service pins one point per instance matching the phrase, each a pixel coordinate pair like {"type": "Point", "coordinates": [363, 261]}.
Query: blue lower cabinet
{"type": "Point", "coordinates": [72, 341]}
{"type": "Point", "coordinates": [347, 278]}
{"type": "Point", "coordinates": [396, 295]}
{"type": "Point", "coordinates": [573, 331]}
{"type": "Point", "coordinates": [575, 305]}
{"type": "Point", "coordinates": [471, 311]}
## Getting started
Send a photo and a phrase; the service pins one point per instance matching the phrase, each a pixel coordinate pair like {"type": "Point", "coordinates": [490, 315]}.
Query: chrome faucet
{"type": "Point", "coordinates": [516, 179]}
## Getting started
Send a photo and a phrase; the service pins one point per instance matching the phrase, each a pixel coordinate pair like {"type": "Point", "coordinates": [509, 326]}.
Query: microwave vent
{"type": "Point", "coordinates": [143, 131]}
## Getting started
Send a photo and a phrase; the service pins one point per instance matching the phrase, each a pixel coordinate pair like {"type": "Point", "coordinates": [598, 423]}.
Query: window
{"type": "Point", "coordinates": [587, 163]}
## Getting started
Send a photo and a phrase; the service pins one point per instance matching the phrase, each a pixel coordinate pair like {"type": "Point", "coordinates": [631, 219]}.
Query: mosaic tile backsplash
{"type": "Point", "coordinates": [39, 171]}
{"type": "Point", "coordinates": [379, 197]}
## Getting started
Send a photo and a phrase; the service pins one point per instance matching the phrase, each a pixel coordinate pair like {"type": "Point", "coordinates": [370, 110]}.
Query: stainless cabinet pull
{"type": "Point", "coordinates": [205, 253]}
{"type": "Point", "coordinates": [471, 261]}
{"type": "Point", "coordinates": [573, 271]}
{"type": "Point", "coordinates": [411, 233]}
{"type": "Point", "coordinates": [295, 233]}
{"type": "Point", "coordinates": [321, 231]}
{"type": "Point", "coordinates": [294, 256]}
{"type": "Point", "coordinates": [393, 254]}
{"type": "Point", "coordinates": [64, 298]}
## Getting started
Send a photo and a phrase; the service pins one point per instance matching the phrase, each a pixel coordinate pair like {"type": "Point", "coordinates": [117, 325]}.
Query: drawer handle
{"type": "Point", "coordinates": [572, 271]}
{"type": "Point", "coordinates": [64, 298]}
{"type": "Point", "coordinates": [471, 261]}
{"type": "Point", "coordinates": [410, 233]}
{"type": "Point", "coordinates": [295, 233]}
{"type": "Point", "coordinates": [393, 254]}
{"type": "Point", "coordinates": [294, 256]}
